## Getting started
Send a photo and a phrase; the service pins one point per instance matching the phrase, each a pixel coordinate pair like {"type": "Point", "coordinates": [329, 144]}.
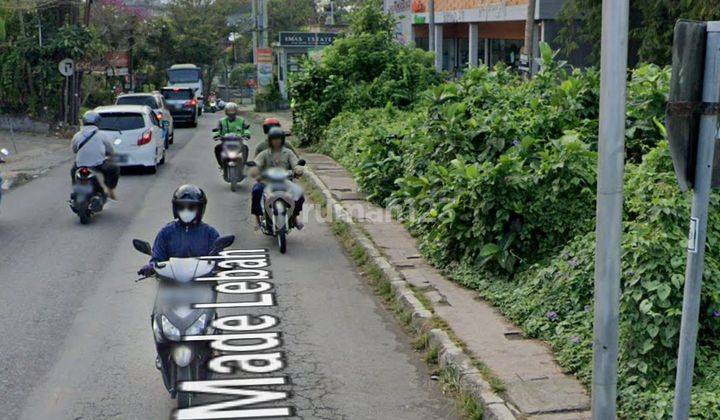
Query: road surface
{"type": "Point", "coordinates": [76, 340]}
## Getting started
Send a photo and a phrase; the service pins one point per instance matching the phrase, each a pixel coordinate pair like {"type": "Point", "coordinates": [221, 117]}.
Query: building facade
{"type": "Point", "coordinates": [474, 32]}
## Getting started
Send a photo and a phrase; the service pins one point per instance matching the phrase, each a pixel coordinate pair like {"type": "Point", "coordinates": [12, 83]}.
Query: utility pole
{"type": "Point", "coordinates": [698, 220]}
{"type": "Point", "coordinates": [88, 10]}
{"type": "Point", "coordinates": [254, 28]}
{"type": "Point", "coordinates": [611, 168]}
{"type": "Point", "coordinates": [528, 46]}
{"type": "Point", "coordinates": [264, 21]}
{"type": "Point", "coordinates": [431, 25]}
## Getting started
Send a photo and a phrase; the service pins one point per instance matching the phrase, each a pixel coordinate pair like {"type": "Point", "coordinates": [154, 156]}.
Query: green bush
{"type": "Point", "coordinates": [553, 300]}
{"type": "Point", "coordinates": [496, 178]}
{"type": "Point", "coordinates": [365, 69]}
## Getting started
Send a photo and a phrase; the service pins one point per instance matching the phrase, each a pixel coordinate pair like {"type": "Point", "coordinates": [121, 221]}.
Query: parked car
{"type": "Point", "coordinates": [155, 101]}
{"type": "Point", "coordinates": [140, 134]}
{"type": "Point", "coordinates": [183, 104]}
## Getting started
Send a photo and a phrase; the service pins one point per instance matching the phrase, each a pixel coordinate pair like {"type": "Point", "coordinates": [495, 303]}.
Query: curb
{"type": "Point", "coordinates": [470, 379]}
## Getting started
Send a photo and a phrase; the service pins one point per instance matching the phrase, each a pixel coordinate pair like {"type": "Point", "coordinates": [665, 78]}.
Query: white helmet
{"type": "Point", "coordinates": [231, 109]}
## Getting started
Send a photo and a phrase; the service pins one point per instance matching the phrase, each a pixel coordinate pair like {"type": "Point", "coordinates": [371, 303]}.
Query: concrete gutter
{"type": "Point", "coordinates": [471, 380]}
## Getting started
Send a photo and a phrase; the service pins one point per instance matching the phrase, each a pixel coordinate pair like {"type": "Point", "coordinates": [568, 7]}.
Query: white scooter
{"type": "Point", "coordinates": [174, 317]}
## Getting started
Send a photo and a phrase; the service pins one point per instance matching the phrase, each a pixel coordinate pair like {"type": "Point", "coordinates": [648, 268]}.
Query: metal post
{"type": "Point", "coordinates": [611, 166]}
{"type": "Point", "coordinates": [698, 226]}
{"type": "Point", "coordinates": [65, 99]}
{"type": "Point", "coordinates": [431, 25]}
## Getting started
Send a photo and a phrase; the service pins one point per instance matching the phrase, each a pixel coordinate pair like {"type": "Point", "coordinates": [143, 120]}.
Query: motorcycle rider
{"type": "Point", "coordinates": [92, 149]}
{"type": "Point", "coordinates": [232, 123]}
{"type": "Point", "coordinates": [186, 236]}
{"type": "Point", "coordinates": [267, 125]}
{"type": "Point", "coordinates": [276, 156]}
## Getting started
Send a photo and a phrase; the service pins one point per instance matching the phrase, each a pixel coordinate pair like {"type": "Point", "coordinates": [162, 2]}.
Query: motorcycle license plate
{"type": "Point", "coordinates": [84, 188]}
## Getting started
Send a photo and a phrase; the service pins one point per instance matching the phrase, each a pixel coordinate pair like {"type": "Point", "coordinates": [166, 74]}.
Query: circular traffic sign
{"type": "Point", "coordinates": [67, 67]}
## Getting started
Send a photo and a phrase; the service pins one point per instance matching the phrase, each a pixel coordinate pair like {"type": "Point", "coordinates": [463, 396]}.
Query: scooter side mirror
{"type": "Point", "coordinates": [222, 242]}
{"type": "Point", "coordinates": [215, 130]}
{"type": "Point", "coordinates": [142, 247]}
{"type": "Point", "coordinates": [288, 134]}
{"type": "Point", "coordinates": [302, 162]}
{"type": "Point", "coordinates": [246, 126]}
{"type": "Point", "coordinates": [251, 164]}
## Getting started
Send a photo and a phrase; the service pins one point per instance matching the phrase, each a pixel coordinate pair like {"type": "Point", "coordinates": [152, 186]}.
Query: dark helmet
{"type": "Point", "coordinates": [189, 194]}
{"type": "Point", "coordinates": [91, 118]}
{"type": "Point", "coordinates": [276, 133]}
{"type": "Point", "coordinates": [270, 123]}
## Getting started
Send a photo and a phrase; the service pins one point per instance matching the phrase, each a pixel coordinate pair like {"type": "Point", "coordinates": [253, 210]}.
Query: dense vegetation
{"type": "Point", "coordinates": [35, 36]}
{"type": "Point", "coordinates": [496, 178]}
{"type": "Point", "coordinates": [651, 25]}
{"type": "Point", "coordinates": [365, 69]}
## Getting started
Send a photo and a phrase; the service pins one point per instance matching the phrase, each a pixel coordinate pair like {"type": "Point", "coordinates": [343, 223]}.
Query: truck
{"type": "Point", "coordinates": [187, 76]}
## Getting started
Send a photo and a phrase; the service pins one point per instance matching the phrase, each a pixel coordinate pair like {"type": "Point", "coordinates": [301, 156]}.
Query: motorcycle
{"type": "Point", "coordinates": [234, 155]}
{"type": "Point", "coordinates": [174, 317]}
{"type": "Point", "coordinates": [88, 197]}
{"type": "Point", "coordinates": [279, 198]}
{"type": "Point", "coordinates": [3, 152]}
{"type": "Point", "coordinates": [211, 106]}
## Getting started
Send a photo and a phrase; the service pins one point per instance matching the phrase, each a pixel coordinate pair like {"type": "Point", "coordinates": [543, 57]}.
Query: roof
{"type": "Point", "coordinates": [149, 94]}
{"type": "Point", "coordinates": [142, 109]}
{"type": "Point", "coordinates": [183, 66]}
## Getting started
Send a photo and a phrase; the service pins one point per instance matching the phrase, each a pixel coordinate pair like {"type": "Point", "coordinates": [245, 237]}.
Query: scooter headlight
{"type": "Point", "coordinates": [157, 332]}
{"type": "Point", "coordinates": [198, 327]}
{"type": "Point", "coordinates": [169, 330]}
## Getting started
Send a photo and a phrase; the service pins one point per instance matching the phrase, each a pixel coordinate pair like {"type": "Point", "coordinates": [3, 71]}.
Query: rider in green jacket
{"type": "Point", "coordinates": [231, 124]}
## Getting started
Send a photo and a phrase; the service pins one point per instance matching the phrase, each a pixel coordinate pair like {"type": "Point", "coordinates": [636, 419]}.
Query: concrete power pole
{"type": "Point", "coordinates": [264, 21]}
{"type": "Point", "coordinates": [431, 25]}
{"type": "Point", "coordinates": [254, 27]}
{"type": "Point", "coordinates": [528, 47]}
{"type": "Point", "coordinates": [611, 167]}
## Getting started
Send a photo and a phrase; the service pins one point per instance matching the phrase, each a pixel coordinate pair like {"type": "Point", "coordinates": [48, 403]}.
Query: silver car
{"type": "Point", "coordinates": [140, 135]}
{"type": "Point", "coordinates": [156, 101]}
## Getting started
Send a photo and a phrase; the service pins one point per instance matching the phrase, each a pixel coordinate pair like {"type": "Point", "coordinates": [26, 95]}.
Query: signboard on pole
{"type": "Point", "coordinates": [264, 63]}
{"type": "Point", "coordinates": [307, 39]}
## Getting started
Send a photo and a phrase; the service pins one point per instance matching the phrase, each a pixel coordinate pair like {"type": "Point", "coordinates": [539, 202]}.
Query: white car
{"type": "Point", "coordinates": [139, 133]}
{"type": "Point", "coordinates": [155, 101]}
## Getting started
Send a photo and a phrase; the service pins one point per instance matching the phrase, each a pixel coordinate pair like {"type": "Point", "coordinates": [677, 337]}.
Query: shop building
{"type": "Point", "coordinates": [475, 32]}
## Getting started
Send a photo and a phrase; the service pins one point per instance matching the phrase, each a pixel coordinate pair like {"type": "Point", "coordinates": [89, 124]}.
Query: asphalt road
{"type": "Point", "coordinates": [76, 340]}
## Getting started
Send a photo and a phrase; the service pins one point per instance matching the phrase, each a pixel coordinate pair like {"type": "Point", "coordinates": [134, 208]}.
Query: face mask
{"type": "Point", "coordinates": [187, 216]}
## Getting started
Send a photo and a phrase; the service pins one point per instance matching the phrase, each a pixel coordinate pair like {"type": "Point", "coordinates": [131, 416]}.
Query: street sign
{"type": "Point", "coordinates": [66, 67]}
{"type": "Point", "coordinates": [684, 101]}
{"type": "Point", "coordinates": [264, 63]}
{"type": "Point", "coordinates": [306, 39]}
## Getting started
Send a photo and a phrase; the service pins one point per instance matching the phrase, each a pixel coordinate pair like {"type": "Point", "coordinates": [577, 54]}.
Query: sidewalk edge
{"type": "Point", "coordinates": [450, 355]}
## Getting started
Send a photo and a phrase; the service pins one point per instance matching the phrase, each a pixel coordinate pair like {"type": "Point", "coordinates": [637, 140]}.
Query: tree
{"type": "Point", "coordinates": [290, 15]}
{"type": "Point", "coordinates": [651, 25]}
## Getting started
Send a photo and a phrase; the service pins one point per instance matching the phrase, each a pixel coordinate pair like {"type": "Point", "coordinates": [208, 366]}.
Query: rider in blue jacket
{"type": "Point", "coordinates": [187, 236]}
